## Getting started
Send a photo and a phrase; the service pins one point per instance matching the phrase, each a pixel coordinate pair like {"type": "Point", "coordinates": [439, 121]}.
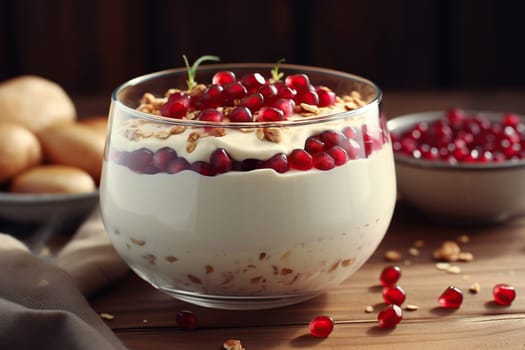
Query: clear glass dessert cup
{"type": "Point", "coordinates": [247, 215]}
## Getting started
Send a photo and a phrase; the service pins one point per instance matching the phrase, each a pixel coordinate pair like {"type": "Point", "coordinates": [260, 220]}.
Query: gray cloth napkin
{"type": "Point", "coordinates": [42, 305]}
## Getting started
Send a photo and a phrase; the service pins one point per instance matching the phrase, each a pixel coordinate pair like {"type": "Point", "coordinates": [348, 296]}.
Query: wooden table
{"type": "Point", "coordinates": [144, 318]}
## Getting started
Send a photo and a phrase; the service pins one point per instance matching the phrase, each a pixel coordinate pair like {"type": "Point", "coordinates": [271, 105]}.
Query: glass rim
{"type": "Point", "coordinates": [248, 125]}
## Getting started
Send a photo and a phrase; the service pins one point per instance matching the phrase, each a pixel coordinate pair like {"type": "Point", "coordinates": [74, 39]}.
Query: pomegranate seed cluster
{"type": "Point", "coordinates": [464, 138]}
{"type": "Point", "coordinates": [250, 99]}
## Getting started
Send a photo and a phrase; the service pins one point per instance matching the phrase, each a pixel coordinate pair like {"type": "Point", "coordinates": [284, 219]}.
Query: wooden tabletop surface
{"type": "Point", "coordinates": [144, 318]}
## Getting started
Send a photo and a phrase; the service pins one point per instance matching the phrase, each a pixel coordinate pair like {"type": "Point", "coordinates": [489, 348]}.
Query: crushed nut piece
{"type": "Point", "coordinates": [260, 134]}
{"type": "Point", "coordinates": [443, 266]}
{"type": "Point", "coordinates": [309, 108]}
{"type": "Point", "coordinates": [171, 258]}
{"type": "Point", "coordinates": [454, 269]}
{"type": "Point", "coordinates": [413, 251]}
{"type": "Point", "coordinates": [233, 344]}
{"type": "Point", "coordinates": [106, 316]}
{"type": "Point", "coordinates": [272, 134]}
{"type": "Point", "coordinates": [190, 147]}
{"type": "Point", "coordinates": [448, 251]}
{"type": "Point", "coordinates": [463, 239]}
{"type": "Point", "coordinates": [369, 309]}
{"type": "Point", "coordinates": [411, 307]}
{"type": "Point", "coordinates": [137, 241]}
{"type": "Point", "coordinates": [162, 134]}
{"type": "Point", "coordinates": [198, 90]}
{"type": "Point", "coordinates": [474, 288]}
{"type": "Point", "coordinates": [194, 136]}
{"type": "Point", "coordinates": [350, 105]}
{"type": "Point", "coordinates": [465, 256]}
{"type": "Point", "coordinates": [393, 255]}
{"type": "Point", "coordinates": [217, 132]}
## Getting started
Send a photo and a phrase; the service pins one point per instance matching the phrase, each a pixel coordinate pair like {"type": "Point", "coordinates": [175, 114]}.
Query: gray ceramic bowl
{"type": "Point", "coordinates": [33, 208]}
{"type": "Point", "coordinates": [469, 193]}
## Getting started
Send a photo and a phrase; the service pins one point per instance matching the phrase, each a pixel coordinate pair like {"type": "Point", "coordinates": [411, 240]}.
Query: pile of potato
{"type": "Point", "coordinates": [44, 148]}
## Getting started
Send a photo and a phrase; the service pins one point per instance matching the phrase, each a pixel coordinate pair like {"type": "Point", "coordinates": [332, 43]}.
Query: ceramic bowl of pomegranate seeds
{"type": "Point", "coordinates": [247, 186]}
{"type": "Point", "coordinates": [461, 166]}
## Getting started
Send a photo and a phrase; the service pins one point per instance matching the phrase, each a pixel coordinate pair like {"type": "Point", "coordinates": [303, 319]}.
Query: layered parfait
{"type": "Point", "coordinates": [249, 184]}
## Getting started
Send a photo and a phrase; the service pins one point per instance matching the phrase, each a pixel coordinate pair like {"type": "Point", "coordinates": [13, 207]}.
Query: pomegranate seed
{"type": "Point", "coordinates": [390, 316]}
{"type": "Point", "coordinates": [234, 91]}
{"type": "Point", "coordinates": [212, 96]}
{"type": "Point", "coordinates": [221, 160]}
{"type": "Point", "coordinates": [269, 92]}
{"type": "Point", "coordinates": [241, 114]}
{"type": "Point", "coordinates": [253, 102]}
{"type": "Point", "coordinates": [177, 165]}
{"type": "Point", "coordinates": [253, 81]}
{"type": "Point", "coordinates": [455, 116]}
{"type": "Point", "coordinates": [300, 159]}
{"type": "Point", "coordinates": [223, 78]}
{"type": "Point", "coordinates": [284, 91]}
{"type": "Point", "coordinates": [339, 155]}
{"type": "Point", "coordinates": [202, 168]}
{"type": "Point", "coordinates": [210, 115]}
{"type": "Point", "coordinates": [371, 143]}
{"type": "Point", "coordinates": [285, 105]}
{"type": "Point", "coordinates": [326, 96]}
{"type": "Point", "coordinates": [321, 326]}
{"type": "Point", "coordinates": [394, 295]}
{"type": "Point", "coordinates": [390, 275]}
{"type": "Point", "coordinates": [314, 145]}
{"type": "Point", "coordinates": [353, 149]}
{"type": "Point", "coordinates": [462, 138]}
{"type": "Point", "coordinates": [139, 160]}
{"type": "Point", "coordinates": [350, 132]}
{"type": "Point", "coordinates": [511, 119]}
{"type": "Point", "coordinates": [298, 82]}
{"type": "Point", "coordinates": [278, 162]}
{"type": "Point", "coordinates": [333, 138]}
{"type": "Point", "coordinates": [251, 164]}
{"type": "Point", "coordinates": [186, 320]}
{"type": "Point", "coordinates": [176, 107]}
{"type": "Point", "coordinates": [323, 161]}
{"type": "Point", "coordinates": [451, 298]}
{"type": "Point", "coordinates": [308, 97]}
{"type": "Point", "coordinates": [162, 157]}
{"type": "Point", "coordinates": [270, 114]}
{"type": "Point", "coordinates": [503, 294]}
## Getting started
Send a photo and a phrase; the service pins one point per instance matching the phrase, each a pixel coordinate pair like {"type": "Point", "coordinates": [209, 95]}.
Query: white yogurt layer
{"type": "Point", "coordinates": [239, 144]}
{"type": "Point", "coordinates": [249, 233]}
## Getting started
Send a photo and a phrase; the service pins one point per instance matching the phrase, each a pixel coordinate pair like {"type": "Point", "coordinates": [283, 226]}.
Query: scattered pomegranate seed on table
{"type": "Point", "coordinates": [390, 316]}
{"type": "Point", "coordinates": [394, 295]}
{"type": "Point", "coordinates": [186, 320]}
{"type": "Point", "coordinates": [321, 326]}
{"type": "Point", "coordinates": [503, 294]}
{"type": "Point", "coordinates": [390, 275]}
{"type": "Point", "coordinates": [451, 298]}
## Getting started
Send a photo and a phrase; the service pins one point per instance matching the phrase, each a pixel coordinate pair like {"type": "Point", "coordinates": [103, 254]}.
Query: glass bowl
{"type": "Point", "coordinates": [221, 214]}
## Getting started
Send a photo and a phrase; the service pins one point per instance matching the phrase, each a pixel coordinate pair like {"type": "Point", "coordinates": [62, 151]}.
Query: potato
{"type": "Point", "coordinates": [34, 102]}
{"type": "Point", "coordinates": [52, 179]}
{"type": "Point", "coordinates": [75, 145]}
{"type": "Point", "coordinates": [19, 150]}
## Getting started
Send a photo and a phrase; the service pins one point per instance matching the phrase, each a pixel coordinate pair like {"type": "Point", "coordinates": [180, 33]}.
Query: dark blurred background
{"type": "Point", "coordinates": [89, 47]}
